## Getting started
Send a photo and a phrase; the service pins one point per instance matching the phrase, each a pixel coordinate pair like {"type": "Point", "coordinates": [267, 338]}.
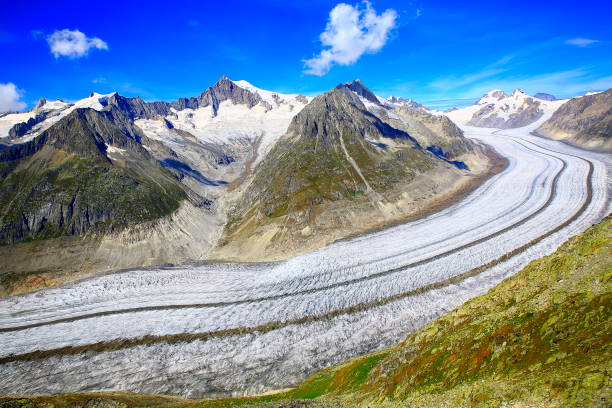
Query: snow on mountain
{"type": "Point", "coordinates": [403, 102]}
{"type": "Point", "coordinates": [496, 109]}
{"type": "Point", "coordinates": [275, 99]}
{"type": "Point", "coordinates": [44, 115]}
{"type": "Point", "coordinates": [233, 123]}
{"type": "Point", "coordinates": [9, 120]}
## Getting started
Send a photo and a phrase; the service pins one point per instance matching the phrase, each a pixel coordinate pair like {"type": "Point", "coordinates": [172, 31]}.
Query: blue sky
{"type": "Point", "coordinates": [426, 50]}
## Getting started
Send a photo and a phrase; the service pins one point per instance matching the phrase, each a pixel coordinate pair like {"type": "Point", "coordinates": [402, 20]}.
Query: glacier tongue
{"type": "Point", "coordinates": [266, 326]}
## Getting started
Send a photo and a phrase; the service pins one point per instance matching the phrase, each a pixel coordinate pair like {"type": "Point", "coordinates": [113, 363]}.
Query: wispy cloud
{"type": "Point", "coordinates": [10, 98]}
{"type": "Point", "coordinates": [581, 42]}
{"type": "Point", "coordinates": [457, 81]}
{"type": "Point", "coordinates": [100, 80]}
{"type": "Point", "coordinates": [351, 31]}
{"type": "Point", "coordinates": [561, 84]}
{"type": "Point", "coordinates": [73, 44]}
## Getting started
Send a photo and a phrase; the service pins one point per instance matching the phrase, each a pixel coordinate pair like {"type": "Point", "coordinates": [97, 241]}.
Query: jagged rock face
{"type": "Point", "coordinates": [223, 90]}
{"type": "Point", "coordinates": [405, 102]}
{"type": "Point", "coordinates": [87, 173]}
{"type": "Point", "coordinates": [340, 112]}
{"type": "Point", "coordinates": [360, 89]}
{"type": "Point", "coordinates": [40, 104]}
{"type": "Point", "coordinates": [545, 96]}
{"type": "Point", "coordinates": [432, 131]}
{"type": "Point", "coordinates": [136, 108]}
{"type": "Point", "coordinates": [585, 121]}
{"type": "Point", "coordinates": [22, 128]}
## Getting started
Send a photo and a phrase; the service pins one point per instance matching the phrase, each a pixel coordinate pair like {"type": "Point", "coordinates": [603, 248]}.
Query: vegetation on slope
{"type": "Point", "coordinates": [87, 173]}
{"type": "Point", "coordinates": [540, 338]}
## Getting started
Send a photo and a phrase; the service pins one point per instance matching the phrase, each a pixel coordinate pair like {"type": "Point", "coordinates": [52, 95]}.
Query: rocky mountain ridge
{"type": "Point", "coordinates": [584, 121]}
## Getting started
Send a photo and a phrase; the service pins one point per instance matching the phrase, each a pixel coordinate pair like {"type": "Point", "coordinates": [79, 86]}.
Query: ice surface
{"type": "Point", "coordinates": [544, 186]}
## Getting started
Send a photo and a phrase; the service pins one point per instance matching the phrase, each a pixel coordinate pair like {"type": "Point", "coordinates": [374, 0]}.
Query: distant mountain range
{"type": "Point", "coordinates": [496, 109]}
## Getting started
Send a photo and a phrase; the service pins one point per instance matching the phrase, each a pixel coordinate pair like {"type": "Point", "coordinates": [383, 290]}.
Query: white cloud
{"type": "Point", "coordinates": [351, 32]}
{"type": "Point", "coordinates": [581, 42]}
{"type": "Point", "coordinates": [73, 44]}
{"type": "Point", "coordinates": [10, 98]}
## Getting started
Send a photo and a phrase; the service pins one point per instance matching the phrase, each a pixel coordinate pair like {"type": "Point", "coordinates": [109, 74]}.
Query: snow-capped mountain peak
{"type": "Point", "coordinates": [273, 98]}
{"type": "Point", "coordinates": [496, 109]}
{"type": "Point", "coordinates": [491, 97]}
{"type": "Point", "coordinates": [403, 102]}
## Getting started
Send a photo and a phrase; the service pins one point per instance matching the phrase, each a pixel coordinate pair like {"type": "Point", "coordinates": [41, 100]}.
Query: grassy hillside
{"type": "Point", "coordinates": [540, 338]}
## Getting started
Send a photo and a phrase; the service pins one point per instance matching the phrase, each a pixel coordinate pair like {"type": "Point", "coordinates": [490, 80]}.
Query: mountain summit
{"type": "Point", "coordinates": [342, 162]}
{"type": "Point", "coordinates": [496, 109]}
{"type": "Point", "coordinates": [360, 89]}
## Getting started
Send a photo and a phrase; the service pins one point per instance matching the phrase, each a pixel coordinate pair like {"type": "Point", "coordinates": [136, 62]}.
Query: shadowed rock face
{"type": "Point", "coordinates": [360, 89]}
{"type": "Point", "coordinates": [545, 96]}
{"type": "Point", "coordinates": [585, 121]}
{"type": "Point", "coordinates": [88, 172]}
{"type": "Point", "coordinates": [223, 90]}
{"type": "Point", "coordinates": [20, 129]}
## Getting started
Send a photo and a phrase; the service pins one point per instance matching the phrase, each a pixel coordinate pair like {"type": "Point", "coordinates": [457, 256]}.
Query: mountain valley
{"type": "Point", "coordinates": [255, 238]}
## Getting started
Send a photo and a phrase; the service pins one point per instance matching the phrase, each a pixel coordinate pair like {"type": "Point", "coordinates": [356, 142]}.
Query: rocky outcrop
{"type": "Point", "coordinates": [434, 132]}
{"type": "Point", "coordinates": [585, 121]}
{"type": "Point", "coordinates": [221, 91]}
{"type": "Point", "coordinates": [405, 102]}
{"type": "Point", "coordinates": [136, 108]}
{"type": "Point", "coordinates": [224, 89]}
{"type": "Point", "coordinates": [20, 129]}
{"type": "Point", "coordinates": [360, 89]}
{"type": "Point", "coordinates": [488, 117]}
